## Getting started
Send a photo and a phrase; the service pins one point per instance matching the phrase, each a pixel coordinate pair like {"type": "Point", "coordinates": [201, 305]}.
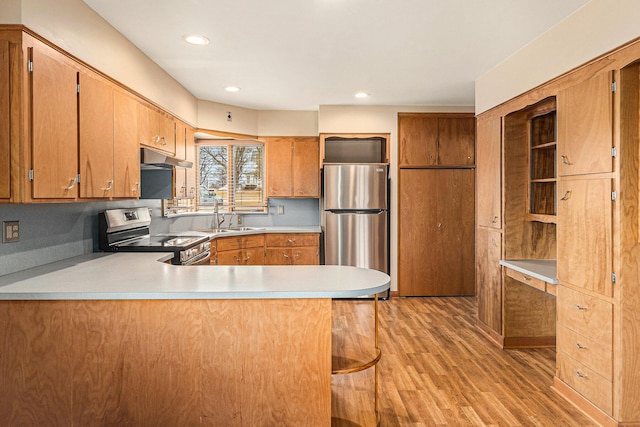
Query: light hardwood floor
{"type": "Point", "coordinates": [437, 369]}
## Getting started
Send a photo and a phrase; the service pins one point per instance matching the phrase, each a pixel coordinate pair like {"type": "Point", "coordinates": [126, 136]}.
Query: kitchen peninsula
{"type": "Point", "coordinates": [122, 339]}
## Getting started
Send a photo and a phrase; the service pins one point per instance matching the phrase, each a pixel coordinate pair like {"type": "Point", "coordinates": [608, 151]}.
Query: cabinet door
{"type": "Point", "coordinates": [306, 169]}
{"type": "Point", "coordinates": [278, 256]}
{"type": "Point", "coordinates": [436, 232]}
{"type": "Point", "coordinates": [456, 141]}
{"type": "Point", "coordinates": [584, 234]}
{"type": "Point", "coordinates": [190, 155]}
{"type": "Point", "coordinates": [489, 278]}
{"type": "Point", "coordinates": [54, 111]}
{"type": "Point", "coordinates": [488, 172]}
{"type": "Point", "coordinates": [126, 152]}
{"type": "Point", "coordinates": [418, 136]}
{"type": "Point", "coordinates": [156, 129]}
{"type": "Point", "coordinates": [305, 255]}
{"type": "Point", "coordinates": [180, 175]}
{"type": "Point", "coordinates": [5, 119]}
{"type": "Point", "coordinates": [96, 137]}
{"type": "Point", "coordinates": [279, 172]}
{"type": "Point", "coordinates": [585, 127]}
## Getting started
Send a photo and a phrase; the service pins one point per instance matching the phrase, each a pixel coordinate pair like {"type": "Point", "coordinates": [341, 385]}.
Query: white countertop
{"type": "Point", "coordinates": [543, 269]}
{"type": "Point", "coordinates": [234, 231]}
{"type": "Point", "coordinates": [112, 276]}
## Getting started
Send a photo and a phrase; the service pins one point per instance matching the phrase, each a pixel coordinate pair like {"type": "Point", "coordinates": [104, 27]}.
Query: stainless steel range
{"type": "Point", "coordinates": [127, 230]}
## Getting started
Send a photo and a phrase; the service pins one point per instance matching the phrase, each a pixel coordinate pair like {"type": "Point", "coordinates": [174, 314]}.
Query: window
{"type": "Point", "coordinates": [233, 174]}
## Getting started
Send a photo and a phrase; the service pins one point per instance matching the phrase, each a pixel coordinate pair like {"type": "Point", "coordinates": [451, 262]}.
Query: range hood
{"type": "Point", "coordinates": [152, 159]}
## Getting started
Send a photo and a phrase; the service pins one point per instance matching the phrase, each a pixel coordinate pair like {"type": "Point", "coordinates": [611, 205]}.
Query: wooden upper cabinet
{"type": "Point", "coordinates": [185, 179]}
{"type": "Point", "coordinates": [456, 141]}
{"type": "Point", "coordinates": [96, 137]}
{"type": "Point", "coordinates": [418, 140]}
{"type": "Point", "coordinates": [191, 178]}
{"type": "Point", "coordinates": [293, 167]}
{"type": "Point", "coordinates": [585, 234]}
{"type": "Point", "coordinates": [5, 121]}
{"type": "Point", "coordinates": [54, 133]}
{"type": "Point", "coordinates": [306, 173]}
{"type": "Point", "coordinates": [427, 139]}
{"type": "Point", "coordinates": [126, 152]}
{"type": "Point", "coordinates": [279, 171]}
{"type": "Point", "coordinates": [488, 172]}
{"type": "Point", "coordinates": [156, 129]}
{"type": "Point", "coordinates": [585, 114]}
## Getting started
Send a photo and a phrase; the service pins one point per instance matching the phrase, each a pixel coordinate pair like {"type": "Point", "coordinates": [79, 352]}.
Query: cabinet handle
{"type": "Point", "coordinates": [580, 374]}
{"type": "Point", "coordinates": [284, 255]}
{"type": "Point", "coordinates": [494, 243]}
{"type": "Point", "coordinates": [579, 346]}
{"type": "Point", "coordinates": [580, 307]}
{"type": "Point", "coordinates": [109, 186]}
{"type": "Point", "coordinates": [135, 189]}
{"type": "Point", "coordinates": [565, 160]}
{"type": "Point", "coordinates": [72, 183]}
{"type": "Point", "coordinates": [247, 258]}
{"type": "Point", "coordinates": [527, 278]}
{"type": "Point", "coordinates": [567, 195]}
{"type": "Point", "coordinates": [291, 240]}
{"type": "Point", "coordinates": [439, 226]}
{"type": "Point", "coordinates": [297, 255]}
{"type": "Point", "coordinates": [494, 220]}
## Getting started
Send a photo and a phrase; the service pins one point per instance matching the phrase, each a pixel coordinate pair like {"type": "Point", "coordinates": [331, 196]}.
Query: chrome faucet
{"type": "Point", "coordinates": [217, 222]}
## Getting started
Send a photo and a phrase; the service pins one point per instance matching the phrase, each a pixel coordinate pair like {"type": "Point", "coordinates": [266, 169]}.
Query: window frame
{"type": "Point", "coordinates": [228, 205]}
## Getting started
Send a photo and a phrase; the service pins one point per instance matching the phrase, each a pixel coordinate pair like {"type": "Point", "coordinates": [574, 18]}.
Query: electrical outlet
{"type": "Point", "coordinates": [229, 118]}
{"type": "Point", "coordinates": [239, 219]}
{"type": "Point", "coordinates": [10, 231]}
{"type": "Point", "coordinates": [280, 210]}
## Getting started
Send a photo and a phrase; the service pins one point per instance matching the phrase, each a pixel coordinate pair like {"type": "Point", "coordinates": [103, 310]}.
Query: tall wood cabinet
{"type": "Point", "coordinates": [436, 204]}
{"type": "Point", "coordinates": [588, 221]}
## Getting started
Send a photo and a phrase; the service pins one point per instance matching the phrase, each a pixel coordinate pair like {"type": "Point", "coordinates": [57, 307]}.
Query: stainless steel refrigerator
{"type": "Point", "coordinates": [356, 217]}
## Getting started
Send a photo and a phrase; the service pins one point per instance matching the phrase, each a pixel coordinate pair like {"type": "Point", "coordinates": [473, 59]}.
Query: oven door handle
{"type": "Point", "coordinates": [200, 259]}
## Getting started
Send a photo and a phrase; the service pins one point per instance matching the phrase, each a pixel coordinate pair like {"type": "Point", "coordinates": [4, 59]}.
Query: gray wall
{"type": "Point", "coordinates": [54, 231]}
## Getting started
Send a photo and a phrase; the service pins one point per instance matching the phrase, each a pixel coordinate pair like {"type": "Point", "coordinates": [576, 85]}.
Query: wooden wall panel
{"type": "Point", "coordinates": [166, 362]}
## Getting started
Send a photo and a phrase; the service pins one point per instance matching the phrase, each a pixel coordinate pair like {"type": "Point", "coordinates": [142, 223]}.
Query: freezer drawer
{"type": "Point", "coordinates": [357, 239]}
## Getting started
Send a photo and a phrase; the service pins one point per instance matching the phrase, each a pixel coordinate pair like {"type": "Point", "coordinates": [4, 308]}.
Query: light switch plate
{"type": "Point", "coordinates": [10, 231]}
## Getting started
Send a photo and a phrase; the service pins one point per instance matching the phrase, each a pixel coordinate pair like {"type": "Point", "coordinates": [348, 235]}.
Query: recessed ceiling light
{"type": "Point", "coordinates": [232, 89]}
{"type": "Point", "coordinates": [195, 39]}
{"type": "Point", "coordinates": [362, 95]}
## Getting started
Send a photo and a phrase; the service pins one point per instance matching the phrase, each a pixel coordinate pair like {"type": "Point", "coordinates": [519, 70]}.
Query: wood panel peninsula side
{"type": "Point", "coordinates": [121, 339]}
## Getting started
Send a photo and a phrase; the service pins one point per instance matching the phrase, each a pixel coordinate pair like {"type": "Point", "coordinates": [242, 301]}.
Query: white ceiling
{"type": "Point", "coordinates": [300, 54]}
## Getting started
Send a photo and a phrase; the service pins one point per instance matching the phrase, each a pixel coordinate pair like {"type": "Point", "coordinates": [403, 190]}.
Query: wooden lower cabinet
{"type": "Point", "coordinates": [436, 232]}
{"type": "Point", "coordinates": [292, 249]}
{"type": "Point", "coordinates": [489, 280]}
{"type": "Point", "coordinates": [267, 249]}
{"type": "Point", "coordinates": [239, 250]}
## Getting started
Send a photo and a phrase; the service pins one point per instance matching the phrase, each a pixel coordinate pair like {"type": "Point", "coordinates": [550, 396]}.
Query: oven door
{"type": "Point", "coordinates": [200, 259]}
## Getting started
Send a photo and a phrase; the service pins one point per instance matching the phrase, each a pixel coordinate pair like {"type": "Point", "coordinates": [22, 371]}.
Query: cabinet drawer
{"type": "Point", "coordinates": [526, 279]}
{"type": "Point", "coordinates": [241, 257]}
{"type": "Point", "coordinates": [586, 382]}
{"type": "Point", "coordinates": [292, 239]}
{"type": "Point", "coordinates": [240, 242]}
{"type": "Point", "coordinates": [593, 354]}
{"type": "Point", "coordinates": [586, 315]}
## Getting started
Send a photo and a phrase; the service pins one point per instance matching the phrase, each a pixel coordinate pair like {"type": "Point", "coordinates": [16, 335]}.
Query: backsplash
{"type": "Point", "coordinates": [54, 231]}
